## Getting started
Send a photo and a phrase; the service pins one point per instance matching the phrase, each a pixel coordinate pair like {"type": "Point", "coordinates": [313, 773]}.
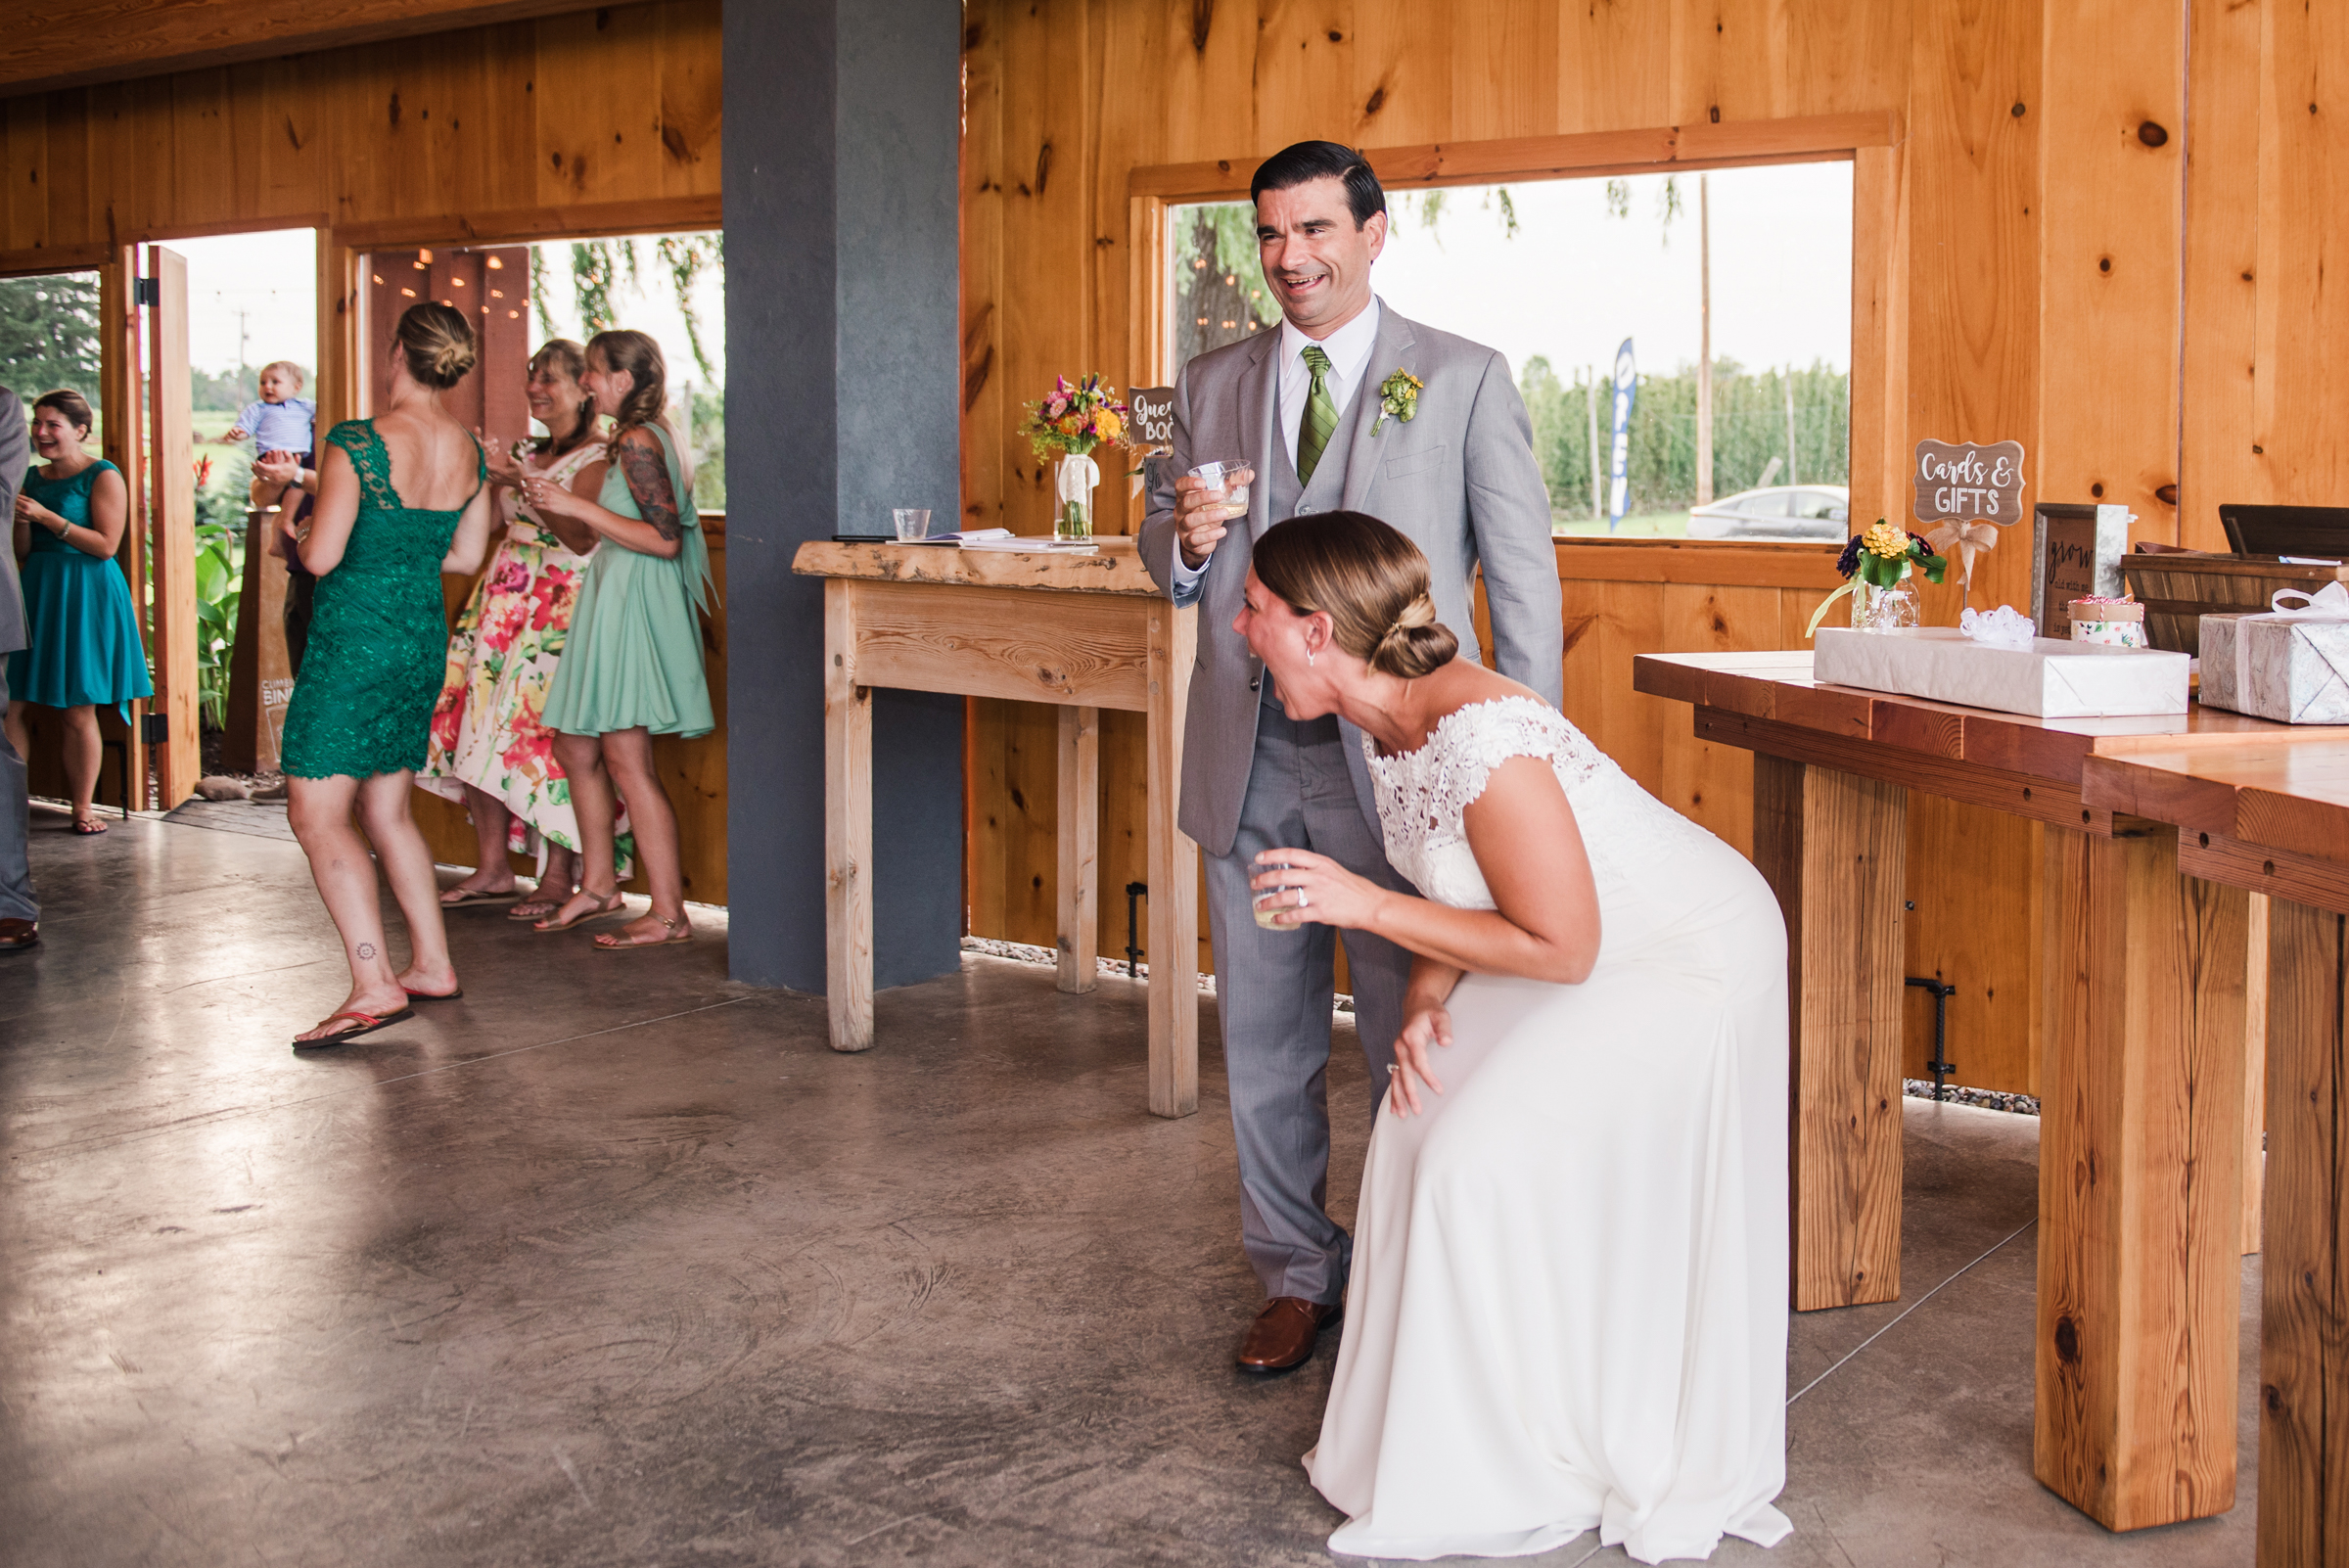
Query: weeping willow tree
{"type": "Point", "coordinates": [599, 267]}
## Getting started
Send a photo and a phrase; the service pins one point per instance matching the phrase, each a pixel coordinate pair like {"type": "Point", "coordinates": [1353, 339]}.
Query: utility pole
{"type": "Point", "coordinates": [1704, 345]}
{"type": "Point", "coordinates": [1790, 471]}
{"type": "Point", "coordinates": [1599, 484]}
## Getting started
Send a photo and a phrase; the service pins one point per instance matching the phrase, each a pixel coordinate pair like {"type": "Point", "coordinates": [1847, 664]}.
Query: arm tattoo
{"type": "Point", "coordinates": [647, 474]}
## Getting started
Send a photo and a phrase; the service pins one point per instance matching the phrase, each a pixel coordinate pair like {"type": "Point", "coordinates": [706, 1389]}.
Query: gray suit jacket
{"type": "Point", "coordinates": [15, 454]}
{"type": "Point", "coordinates": [1460, 480]}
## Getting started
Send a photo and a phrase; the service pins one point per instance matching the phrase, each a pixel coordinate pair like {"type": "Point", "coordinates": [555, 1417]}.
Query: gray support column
{"type": "Point", "coordinates": [842, 147]}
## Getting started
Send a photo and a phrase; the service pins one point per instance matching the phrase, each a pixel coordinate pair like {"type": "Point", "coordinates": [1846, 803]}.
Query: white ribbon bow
{"type": "Point", "coordinates": [1078, 474]}
{"type": "Point", "coordinates": [2329, 603]}
{"type": "Point", "coordinates": [1969, 538]}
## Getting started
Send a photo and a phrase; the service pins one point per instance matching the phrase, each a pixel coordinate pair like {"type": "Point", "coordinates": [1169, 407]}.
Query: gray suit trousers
{"type": "Point", "coordinates": [16, 864]}
{"type": "Point", "coordinates": [1274, 990]}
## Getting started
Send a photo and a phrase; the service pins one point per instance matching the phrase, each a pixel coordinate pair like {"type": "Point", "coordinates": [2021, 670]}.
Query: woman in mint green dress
{"type": "Point", "coordinates": [85, 652]}
{"type": "Point", "coordinates": [632, 664]}
{"type": "Point", "coordinates": [402, 500]}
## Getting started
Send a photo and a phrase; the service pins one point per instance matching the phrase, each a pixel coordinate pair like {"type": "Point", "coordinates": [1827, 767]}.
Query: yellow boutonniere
{"type": "Point", "coordinates": [1398, 396]}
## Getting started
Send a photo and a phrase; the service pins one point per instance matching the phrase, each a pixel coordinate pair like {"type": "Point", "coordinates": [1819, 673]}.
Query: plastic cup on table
{"type": "Point", "coordinates": [913, 523]}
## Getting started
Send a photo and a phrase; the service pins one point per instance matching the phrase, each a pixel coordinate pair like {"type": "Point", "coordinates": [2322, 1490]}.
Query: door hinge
{"type": "Point", "coordinates": [154, 728]}
{"type": "Point", "coordinates": [147, 290]}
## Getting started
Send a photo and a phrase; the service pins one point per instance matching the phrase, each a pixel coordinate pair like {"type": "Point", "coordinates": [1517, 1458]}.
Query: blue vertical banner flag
{"type": "Point", "coordinates": [1619, 465]}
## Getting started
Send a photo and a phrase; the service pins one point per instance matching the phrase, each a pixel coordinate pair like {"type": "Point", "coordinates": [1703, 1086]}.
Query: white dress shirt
{"type": "Point", "coordinates": [1349, 350]}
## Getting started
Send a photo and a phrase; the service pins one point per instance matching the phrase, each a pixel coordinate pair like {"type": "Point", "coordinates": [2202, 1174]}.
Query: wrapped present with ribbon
{"type": "Point", "coordinates": [2291, 663]}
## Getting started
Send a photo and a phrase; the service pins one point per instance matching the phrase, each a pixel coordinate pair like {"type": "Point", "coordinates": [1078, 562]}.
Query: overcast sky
{"type": "Point", "coordinates": [263, 287]}
{"type": "Point", "coordinates": [1575, 282]}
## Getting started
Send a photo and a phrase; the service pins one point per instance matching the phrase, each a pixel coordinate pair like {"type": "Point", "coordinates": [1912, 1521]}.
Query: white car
{"type": "Point", "coordinates": [1777, 512]}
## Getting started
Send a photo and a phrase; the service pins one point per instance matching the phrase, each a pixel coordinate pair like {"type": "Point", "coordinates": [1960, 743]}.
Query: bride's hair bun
{"type": "Point", "coordinates": [1371, 583]}
{"type": "Point", "coordinates": [438, 342]}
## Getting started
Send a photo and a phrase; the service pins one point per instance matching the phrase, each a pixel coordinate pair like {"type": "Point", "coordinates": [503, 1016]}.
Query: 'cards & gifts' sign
{"type": "Point", "coordinates": [1967, 481]}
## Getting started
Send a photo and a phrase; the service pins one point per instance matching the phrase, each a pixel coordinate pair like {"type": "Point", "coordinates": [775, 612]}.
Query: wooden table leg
{"type": "Point", "coordinates": [2304, 1303]}
{"type": "Point", "coordinates": [1174, 871]}
{"type": "Point", "coordinates": [848, 826]}
{"type": "Point", "coordinates": [2139, 1181]}
{"type": "Point", "coordinates": [1834, 847]}
{"type": "Point", "coordinates": [2255, 1071]}
{"type": "Point", "coordinates": [1079, 894]}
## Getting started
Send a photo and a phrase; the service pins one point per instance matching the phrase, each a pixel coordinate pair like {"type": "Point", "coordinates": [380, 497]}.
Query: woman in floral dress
{"type": "Point", "coordinates": [489, 750]}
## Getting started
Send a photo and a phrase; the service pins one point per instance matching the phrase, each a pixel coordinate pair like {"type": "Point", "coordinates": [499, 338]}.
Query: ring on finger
{"type": "Point", "coordinates": [1302, 900]}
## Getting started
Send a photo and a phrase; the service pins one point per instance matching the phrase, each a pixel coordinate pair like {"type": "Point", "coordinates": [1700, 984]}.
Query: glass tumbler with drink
{"type": "Point", "coordinates": [1273, 902]}
{"type": "Point", "coordinates": [1221, 479]}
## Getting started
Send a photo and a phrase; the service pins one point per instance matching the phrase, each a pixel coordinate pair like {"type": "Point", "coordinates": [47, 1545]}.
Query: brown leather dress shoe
{"type": "Point", "coordinates": [1283, 1335]}
{"type": "Point", "coordinates": [18, 935]}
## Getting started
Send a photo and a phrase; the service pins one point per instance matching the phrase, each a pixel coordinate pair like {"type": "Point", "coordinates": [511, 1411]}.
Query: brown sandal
{"type": "Point", "coordinates": [615, 907]}
{"type": "Point", "coordinates": [614, 941]}
{"type": "Point", "coordinates": [89, 827]}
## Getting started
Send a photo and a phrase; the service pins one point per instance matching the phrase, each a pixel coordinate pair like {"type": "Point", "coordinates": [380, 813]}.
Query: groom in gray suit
{"type": "Point", "coordinates": [1302, 407]}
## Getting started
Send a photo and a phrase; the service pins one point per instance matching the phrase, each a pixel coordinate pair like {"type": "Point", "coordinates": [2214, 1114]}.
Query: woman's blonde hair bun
{"type": "Point", "coordinates": [1370, 581]}
{"type": "Point", "coordinates": [437, 344]}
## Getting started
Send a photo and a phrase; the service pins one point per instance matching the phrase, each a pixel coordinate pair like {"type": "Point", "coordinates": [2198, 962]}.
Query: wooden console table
{"type": "Point", "coordinates": [2270, 815]}
{"type": "Point", "coordinates": [2147, 1052]}
{"type": "Point", "coordinates": [1082, 631]}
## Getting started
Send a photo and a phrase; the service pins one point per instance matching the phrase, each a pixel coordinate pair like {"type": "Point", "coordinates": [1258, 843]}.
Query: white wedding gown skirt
{"type": "Point", "coordinates": [1569, 1296]}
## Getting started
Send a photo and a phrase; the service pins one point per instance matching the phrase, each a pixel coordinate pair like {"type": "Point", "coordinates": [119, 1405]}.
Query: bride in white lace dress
{"type": "Point", "coordinates": [1568, 1303]}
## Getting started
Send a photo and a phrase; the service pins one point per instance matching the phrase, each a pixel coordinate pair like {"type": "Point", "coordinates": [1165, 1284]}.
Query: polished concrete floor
{"type": "Point", "coordinates": [615, 1262]}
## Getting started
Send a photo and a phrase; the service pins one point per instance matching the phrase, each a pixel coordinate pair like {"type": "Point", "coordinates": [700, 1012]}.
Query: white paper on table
{"type": "Point", "coordinates": [2052, 680]}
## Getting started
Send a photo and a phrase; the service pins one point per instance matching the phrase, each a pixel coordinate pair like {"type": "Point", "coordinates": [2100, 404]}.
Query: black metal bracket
{"type": "Point", "coordinates": [1939, 1066]}
{"type": "Point", "coordinates": [1134, 891]}
{"type": "Point", "coordinates": [147, 290]}
{"type": "Point", "coordinates": [154, 728]}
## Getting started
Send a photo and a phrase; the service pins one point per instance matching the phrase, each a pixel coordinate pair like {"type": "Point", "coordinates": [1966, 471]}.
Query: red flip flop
{"type": "Point", "coordinates": [368, 1024]}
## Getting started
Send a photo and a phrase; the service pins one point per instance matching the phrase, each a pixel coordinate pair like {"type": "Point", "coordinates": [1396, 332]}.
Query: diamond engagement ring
{"type": "Point", "coordinates": [1301, 899]}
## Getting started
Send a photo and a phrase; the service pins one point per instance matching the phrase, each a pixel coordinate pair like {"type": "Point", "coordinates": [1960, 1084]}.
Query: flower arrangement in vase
{"type": "Point", "coordinates": [1066, 426]}
{"type": "Point", "coordinates": [1876, 567]}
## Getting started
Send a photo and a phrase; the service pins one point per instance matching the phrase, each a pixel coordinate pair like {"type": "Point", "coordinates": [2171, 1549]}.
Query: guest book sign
{"type": "Point", "coordinates": [1968, 481]}
{"type": "Point", "coordinates": [1153, 409]}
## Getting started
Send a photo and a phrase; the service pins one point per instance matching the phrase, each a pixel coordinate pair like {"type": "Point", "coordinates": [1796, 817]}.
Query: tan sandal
{"type": "Point", "coordinates": [614, 906]}
{"type": "Point", "coordinates": [612, 941]}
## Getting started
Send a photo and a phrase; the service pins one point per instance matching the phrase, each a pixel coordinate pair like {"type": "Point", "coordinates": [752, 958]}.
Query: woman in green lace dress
{"type": "Point", "coordinates": [632, 665]}
{"type": "Point", "coordinates": [402, 500]}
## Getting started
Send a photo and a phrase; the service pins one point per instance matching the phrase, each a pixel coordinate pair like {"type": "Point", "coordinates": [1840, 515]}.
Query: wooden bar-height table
{"type": "Point", "coordinates": [2145, 1060]}
{"type": "Point", "coordinates": [1082, 631]}
{"type": "Point", "coordinates": [2272, 816]}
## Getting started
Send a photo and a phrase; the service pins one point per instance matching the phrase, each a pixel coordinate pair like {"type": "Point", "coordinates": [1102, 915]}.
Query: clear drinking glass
{"type": "Point", "coordinates": [1218, 475]}
{"type": "Point", "coordinates": [1267, 904]}
{"type": "Point", "coordinates": [913, 523]}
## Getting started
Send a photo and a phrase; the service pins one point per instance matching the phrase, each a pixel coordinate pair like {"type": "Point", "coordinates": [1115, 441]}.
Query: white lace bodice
{"type": "Point", "coordinates": [1423, 793]}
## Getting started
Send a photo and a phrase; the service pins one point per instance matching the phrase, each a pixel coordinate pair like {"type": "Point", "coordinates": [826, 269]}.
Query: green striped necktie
{"type": "Point", "coordinates": [1321, 420]}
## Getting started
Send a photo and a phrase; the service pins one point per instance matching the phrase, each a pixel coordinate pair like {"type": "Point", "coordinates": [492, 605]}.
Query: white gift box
{"type": "Point", "coordinates": [2049, 679]}
{"type": "Point", "coordinates": [2291, 665]}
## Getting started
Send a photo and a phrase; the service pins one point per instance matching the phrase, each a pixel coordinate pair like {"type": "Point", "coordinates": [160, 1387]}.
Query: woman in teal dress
{"type": "Point", "coordinates": [632, 665]}
{"type": "Point", "coordinates": [402, 500]}
{"type": "Point", "coordinates": [85, 652]}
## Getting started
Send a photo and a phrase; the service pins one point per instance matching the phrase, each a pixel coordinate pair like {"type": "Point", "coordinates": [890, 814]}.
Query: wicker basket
{"type": "Point", "coordinates": [2177, 587]}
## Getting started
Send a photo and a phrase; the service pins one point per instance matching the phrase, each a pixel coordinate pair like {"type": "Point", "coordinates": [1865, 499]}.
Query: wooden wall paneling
{"type": "Point", "coordinates": [1973, 241]}
{"type": "Point", "coordinates": [1047, 329]}
{"type": "Point", "coordinates": [600, 139]}
{"type": "Point", "coordinates": [1614, 67]}
{"type": "Point", "coordinates": [2306, 55]}
{"type": "Point", "coordinates": [23, 154]}
{"type": "Point", "coordinates": [1123, 250]}
{"type": "Point", "coordinates": [2111, 147]}
{"type": "Point", "coordinates": [1880, 446]}
{"type": "Point", "coordinates": [692, 105]}
{"type": "Point", "coordinates": [1305, 78]}
{"type": "Point", "coordinates": [1975, 926]}
{"type": "Point", "coordinates": [1402, 81]}
{"type": "Point", "coordinates": [1712, 786]}
{"type": "Point", "coordinates": [1504, 68]}
{"type": "Point", "coordinates": [1205, 53]}
{"type": "Point", "coordinates": [2220, 351]}
{"type": "Point", "coordinates": [280, 125]}
{"type": "Point", "coordinates": [987, 411]}
{"type": "Point", "coordinates": [203, 158]}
